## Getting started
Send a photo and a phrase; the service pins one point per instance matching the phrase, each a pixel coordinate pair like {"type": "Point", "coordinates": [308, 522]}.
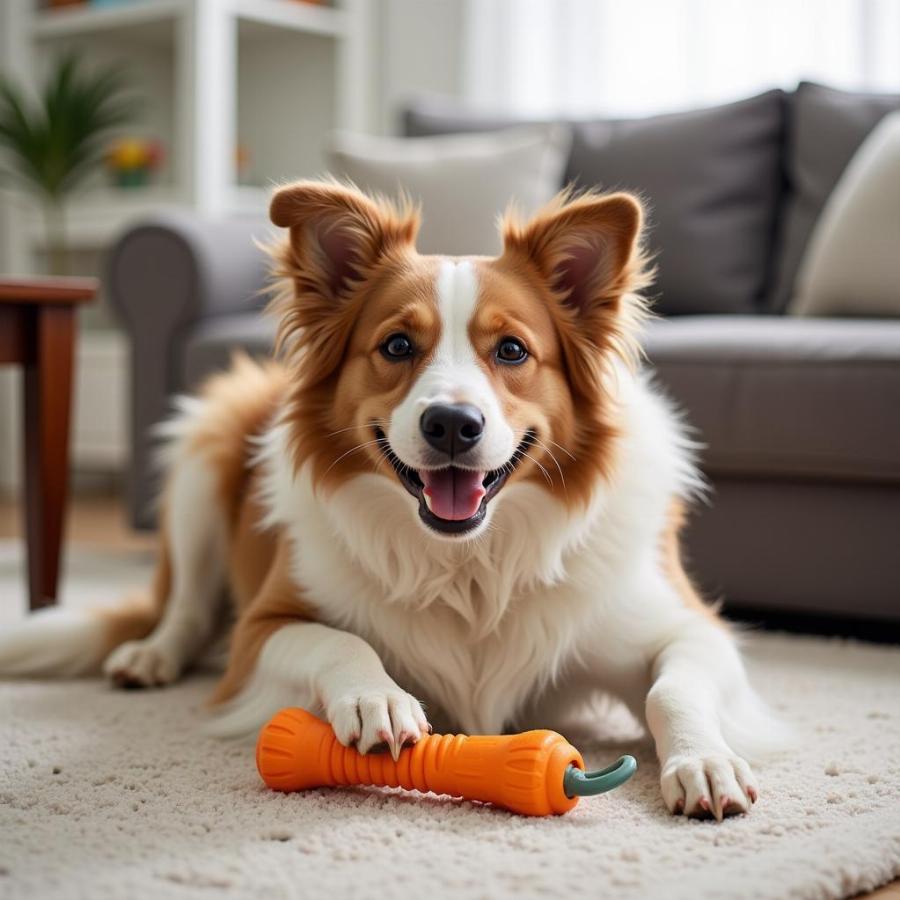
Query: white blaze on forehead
{"type": "Point", "coordinates": [457, 295]}
{"type": "Point", "coordinates": [453, 375]}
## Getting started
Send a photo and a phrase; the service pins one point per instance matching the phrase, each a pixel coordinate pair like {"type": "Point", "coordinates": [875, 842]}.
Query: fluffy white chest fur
{"type": "Point", "coordinates": [485, 629]}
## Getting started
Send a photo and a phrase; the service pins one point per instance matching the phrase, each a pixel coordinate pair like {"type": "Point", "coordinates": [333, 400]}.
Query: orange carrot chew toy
{"type": "Point", "coordinates": [535, 773]}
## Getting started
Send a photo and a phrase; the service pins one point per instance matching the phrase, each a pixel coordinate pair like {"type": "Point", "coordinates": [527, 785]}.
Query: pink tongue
{"type": "Point", "coordinates": [453, 494]}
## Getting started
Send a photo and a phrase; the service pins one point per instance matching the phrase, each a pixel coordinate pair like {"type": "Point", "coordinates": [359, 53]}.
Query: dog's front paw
{"type": "Point", "coordinates": [142, 664]}
{"type": "Point", "coordinates": [369, 717]}
{"type": "Point", "coordinates": [704, 786]}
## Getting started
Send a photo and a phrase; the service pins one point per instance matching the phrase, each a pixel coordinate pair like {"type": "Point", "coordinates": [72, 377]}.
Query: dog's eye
{"type": "Point", "coordinates": [397, 347]}
{"type": "Point", "coordinates": [511, 351]}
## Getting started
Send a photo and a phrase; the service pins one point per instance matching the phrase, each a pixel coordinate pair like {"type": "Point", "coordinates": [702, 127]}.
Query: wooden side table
{"type": "Point", "coordinates": [37, 331]}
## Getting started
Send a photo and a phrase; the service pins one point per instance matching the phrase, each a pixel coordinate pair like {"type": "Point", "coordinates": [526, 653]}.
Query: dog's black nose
{"type": "Point", "coordinates": [452, 428]}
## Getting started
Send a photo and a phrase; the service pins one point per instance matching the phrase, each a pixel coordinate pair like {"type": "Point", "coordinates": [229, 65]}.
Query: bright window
{"type": "Point", "coordinates": [635, 57]}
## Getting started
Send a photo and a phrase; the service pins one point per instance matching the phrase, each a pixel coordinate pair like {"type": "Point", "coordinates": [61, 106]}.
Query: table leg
{"type": "Point", "coordinates": [48, 395]}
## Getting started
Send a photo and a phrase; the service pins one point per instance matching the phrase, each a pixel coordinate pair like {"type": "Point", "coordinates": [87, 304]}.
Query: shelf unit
{"type": "Point", "coordinates": [274, 77]}
{"type": "Point", "coordinates": [68, 21]}
{"type": "Point", "coordinates": [134, 15]}
{"type": "Point", "coordinates": [211, 72]}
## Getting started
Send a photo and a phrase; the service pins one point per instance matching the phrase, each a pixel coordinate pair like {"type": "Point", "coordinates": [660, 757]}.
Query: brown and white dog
{"type": "Point", "coordinates": [455, 487]}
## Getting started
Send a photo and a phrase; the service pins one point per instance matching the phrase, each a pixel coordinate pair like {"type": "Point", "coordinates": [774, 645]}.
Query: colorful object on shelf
{"type": "Point", "coordinates": [132, 160]}
{"type": "Point", "coordinates": [241, 160]}
{"type": "Point", "coordinates": [535, 773]}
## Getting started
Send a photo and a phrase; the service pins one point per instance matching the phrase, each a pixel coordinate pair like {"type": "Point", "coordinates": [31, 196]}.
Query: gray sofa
{"type": "Point", "coordinates": [800, 417]}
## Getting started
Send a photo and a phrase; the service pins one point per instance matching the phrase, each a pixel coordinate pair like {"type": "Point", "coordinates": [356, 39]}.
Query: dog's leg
{"type": "Point", "coordinates": [194, 531]}
{"type": "Point", "coordinates": [333, 674]}
{"type": "Point", "coordinates": [281, 657]}
{"type": "Point", "coordinates": [698, 684]}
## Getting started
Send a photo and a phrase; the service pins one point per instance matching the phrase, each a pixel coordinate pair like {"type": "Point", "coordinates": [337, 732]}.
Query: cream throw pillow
{"type": "Point", "coordinates": [852, 263]}
{"type": "Point", "coordinates": [462, 181]}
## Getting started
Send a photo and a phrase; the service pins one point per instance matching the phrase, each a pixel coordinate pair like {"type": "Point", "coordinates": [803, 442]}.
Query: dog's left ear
{"type": "Point", "coordinates": [586, 247]}
{"type": "Point", "coordinates": [337, 235]}
{"type": "Point", "coordinates": [337, 232]}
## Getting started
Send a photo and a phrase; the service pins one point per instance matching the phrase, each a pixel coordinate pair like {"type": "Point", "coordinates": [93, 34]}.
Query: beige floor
{"type": "Point", "coordinates": [98, 520]}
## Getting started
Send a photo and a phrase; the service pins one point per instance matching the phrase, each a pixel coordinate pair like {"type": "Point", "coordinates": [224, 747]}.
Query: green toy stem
{"type": "Point", "coordinates": [578, 783]}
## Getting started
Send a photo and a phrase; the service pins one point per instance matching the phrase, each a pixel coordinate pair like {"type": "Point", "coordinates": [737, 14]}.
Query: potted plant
{"type": "Point", "coordinates": [53, 143]}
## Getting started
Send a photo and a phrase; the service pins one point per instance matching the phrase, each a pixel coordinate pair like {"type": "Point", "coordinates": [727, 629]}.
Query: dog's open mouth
{"type": "Point", "coordinates": [453, 500]}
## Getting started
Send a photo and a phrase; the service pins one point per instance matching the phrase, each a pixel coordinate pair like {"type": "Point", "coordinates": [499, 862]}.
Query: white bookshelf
{"type": "Point", "coordinates": [273, 76]}
{"type": "Point", "coordinates": [209, 70]}
{"type": "Point", "coordinates": [130, 18]}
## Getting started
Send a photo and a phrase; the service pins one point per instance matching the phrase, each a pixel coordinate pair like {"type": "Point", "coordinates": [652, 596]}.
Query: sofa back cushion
{"type": "Point", "coordinates": [825, 127]}
{"type": "Point", "coordinates": [852, 262]}
{"type": "Point", "coordinates": [711, 178]}
{"type": "Point", "coordinates": [463, 182]}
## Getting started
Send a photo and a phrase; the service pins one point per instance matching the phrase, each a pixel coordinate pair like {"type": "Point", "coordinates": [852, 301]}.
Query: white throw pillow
{"type": "Point", "coordinates": [852, 263]}
{"type": "Point", "coordinates": [462, 181]}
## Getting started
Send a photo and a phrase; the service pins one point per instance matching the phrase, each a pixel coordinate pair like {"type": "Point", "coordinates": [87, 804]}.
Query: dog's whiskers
{"type": "Point", "coordinates": [526, 454]}
{"type": "Point", "coordinates": [564, 450]}
{"type": "Point", "coordinates": [552, 456]}
{"type": "Point", "coordinates": [379, 422]}
{"type": "Point", "coordinates": [352, 450]}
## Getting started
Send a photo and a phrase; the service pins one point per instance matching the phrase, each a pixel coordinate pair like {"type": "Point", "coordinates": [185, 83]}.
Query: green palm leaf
{"type": "Point", "coordinates": [53, 144]}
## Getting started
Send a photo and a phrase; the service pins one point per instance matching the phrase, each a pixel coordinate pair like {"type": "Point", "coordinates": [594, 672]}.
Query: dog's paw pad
{"type": "Point", "coordinates": [141, 664]}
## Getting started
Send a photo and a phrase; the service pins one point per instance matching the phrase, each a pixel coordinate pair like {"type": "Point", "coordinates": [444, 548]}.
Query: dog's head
{"type": "Point", "coordinates": [455, 377]}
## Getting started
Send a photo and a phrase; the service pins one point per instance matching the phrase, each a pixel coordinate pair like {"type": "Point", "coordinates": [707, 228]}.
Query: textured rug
{"type": "Point", "coordinates": [105, 794]}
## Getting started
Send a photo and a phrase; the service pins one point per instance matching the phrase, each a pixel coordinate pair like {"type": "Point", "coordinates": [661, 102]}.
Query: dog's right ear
{"type": "Point", "coordinates": [337, 233]}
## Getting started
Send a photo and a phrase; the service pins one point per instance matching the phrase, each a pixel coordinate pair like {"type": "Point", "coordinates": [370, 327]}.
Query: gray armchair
{"type": "Point", "coordinates": [186, 290]}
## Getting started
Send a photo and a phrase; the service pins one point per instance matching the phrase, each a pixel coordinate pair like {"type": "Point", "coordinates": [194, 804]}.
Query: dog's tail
{"type": "Point", "coordinates": [68, 642]}
{"type": "Point", "coordinates": [60, 642]}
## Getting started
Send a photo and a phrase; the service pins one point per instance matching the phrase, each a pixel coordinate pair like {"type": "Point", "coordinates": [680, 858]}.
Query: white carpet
{"type": "Point", "coordinates": [105, 794]}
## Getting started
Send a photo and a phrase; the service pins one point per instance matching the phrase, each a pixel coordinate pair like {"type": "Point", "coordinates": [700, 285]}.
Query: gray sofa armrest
{"type": "Point", "coordinates": [163, 276]}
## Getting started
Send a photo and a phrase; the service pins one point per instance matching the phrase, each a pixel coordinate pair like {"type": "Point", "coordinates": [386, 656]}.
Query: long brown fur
{"type": "Point", "coordinates": [673, 565]}
{"type": "Point", "coordinates": [241, 403]}
{"type": "Point", "coordinates": [278, 602]}
{"type": "Point", "coordinates": [319, 308]}
{"type": "Point", "coordinates": [594, 329]}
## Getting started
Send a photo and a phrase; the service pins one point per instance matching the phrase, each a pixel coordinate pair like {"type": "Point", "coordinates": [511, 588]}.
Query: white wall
{"type": "Point", "coordinates": [420, 45]}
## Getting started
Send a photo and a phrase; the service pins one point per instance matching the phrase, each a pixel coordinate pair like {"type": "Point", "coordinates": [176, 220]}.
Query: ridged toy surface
{"type": "Point", "coordinates": [526, 773]}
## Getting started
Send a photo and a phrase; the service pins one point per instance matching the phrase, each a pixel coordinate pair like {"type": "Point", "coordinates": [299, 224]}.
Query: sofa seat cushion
{"type": "Point", "coordinates": [209, 346]}
{"type": "Point", "coordinates": [793, 398]}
